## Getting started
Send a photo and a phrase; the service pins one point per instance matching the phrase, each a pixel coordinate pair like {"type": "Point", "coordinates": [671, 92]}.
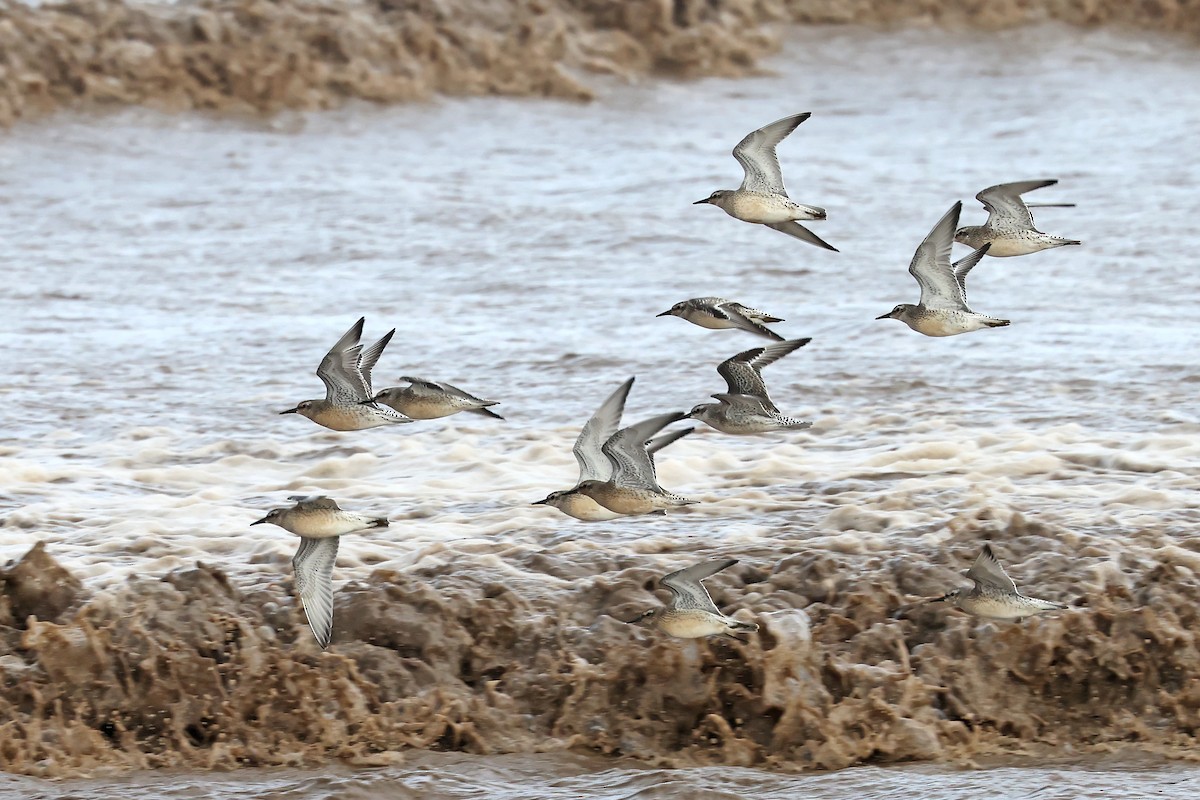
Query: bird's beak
{"type": "Point", "coordinates": [259, 521]}
{"type": "Point", "coordinates": [291, 411]}
{"type": "Point", "coordinates": [370, 401]}
{"type": "Point", "coordinates": [541, 502]}
{"type": "Point", "coordinates": [666, 313]}
{"type": "Point", "coordinates": [885, 316]}
{"type": "Point", "coordinates": [698, 202]}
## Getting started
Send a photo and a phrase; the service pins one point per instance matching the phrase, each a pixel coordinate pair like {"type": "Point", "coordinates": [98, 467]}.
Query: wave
{"type": "Point", "coordinates": [257, 56]}
{"type": "Point", "coordinates": [470, 651]}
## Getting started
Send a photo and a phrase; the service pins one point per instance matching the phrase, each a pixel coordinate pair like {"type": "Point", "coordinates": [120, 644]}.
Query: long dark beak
{"type": "Point", "coordinates": [666, 313]}
{"type": "Point", "coordinates": [291, 411]}
{"type": "Point", "coordinates": [539, 502]}
{"type": "Point", "coordinates": [698, 202]}
{"type": "Point", "coordinates": [885, 316]}
{"type": "Point", "coordinates": [259, 521]}
{"type": "Point", "coordinates": [370, 401]}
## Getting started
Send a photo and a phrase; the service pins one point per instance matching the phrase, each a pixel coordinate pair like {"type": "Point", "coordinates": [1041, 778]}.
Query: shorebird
{"type": "Point", "coordinates": [718, 314]}
{"type": "Point", "coordinates": [318, 522]}
{"type": "Point", "coordinates": [424, 399]}
{"type": "Point", "coordinates": [761, 198]}
{"type": "Point", "coordinates": [747, 408]}
{"type": "Point", "coordinates": [1009, 227]}
{"type": "Point", "coordinates": [994, 595]}
{"type": "Point", "coordinates": [691, 613]}
{"type": "Point", "coordinates": [346, 372]}
{"type": "Point", "coordinates": [943, 309]}
{"type": "Point", "coordinates": [593, 464]}
{"type": "Point", "coordinates": [633, 488]}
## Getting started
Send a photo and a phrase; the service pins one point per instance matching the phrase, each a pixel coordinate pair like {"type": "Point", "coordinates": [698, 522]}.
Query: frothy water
{"type": "Point", "coordinates": [173, 282]}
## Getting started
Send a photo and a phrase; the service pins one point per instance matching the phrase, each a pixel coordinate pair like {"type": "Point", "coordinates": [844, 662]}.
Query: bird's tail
{"type": "Point", "coordinates": [382, 522]}
{"type": "Point", "coordinates": [997, 323]}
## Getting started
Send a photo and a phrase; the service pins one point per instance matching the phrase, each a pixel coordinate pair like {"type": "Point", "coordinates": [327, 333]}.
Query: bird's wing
{"type": "Point", "coordinates": [743, 372]}
{"type": "Point", "coordinates": [686, 586]}
{"type": "Point", "coordinates": [313, 502]}
{"type": "Point", "coordinates": [588, 450]}
{"type": "Point", "coordinates": [441, 389]}
{"type": "Point", "coordinates": [632, 465]}
{"type": "Point", "coordinates": [756, 154]}
{"type": "Point", "coordinates": [366, 361]}
{"type": "Point", "coordinates": [1006, 210]}
{"type": "Point", "coordinates": [987, 571]}
{"type": "Point", "coordinates": [339, 369]}
{"type": "Point", "coordinates": [931, 265]}
{"type": "Point", "coordinates": [802, 233]}
{"type": "Point", "coordinates": [313, 565]}
{"type": "Point", "coordinates": [733, 313]}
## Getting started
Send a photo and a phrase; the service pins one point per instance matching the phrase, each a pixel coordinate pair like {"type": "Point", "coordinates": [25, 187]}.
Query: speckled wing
{"type": "Point", "coordinates": [589, 447]}
{"type": "Point", "coordinates": [743, 372]}
{"type": "Point", "coordinates": [1006, 210]}
{"type": "Point", "coordinates": [339, 369]}
{"type": "Point", "coordinates": [314, 502]}
{"type": "Point", "coordinates": [931, 265]}
{"type": "Point", "coordinates": [366, 362]}
{"type": "Point", "coordinates": [686, 586]}
{"type": "Point", "coordinates": [733, 312]}
{"type": "Point", "coordinates": [756, 154]}
{"type": "Point", "coordinates": [313, 565]}
{"type": "Point", "coordinates": [986, 571]}
{"type": "Point", "coordinates": [632, 465]}
{"type": "Point", "coordinates": [438, 389]}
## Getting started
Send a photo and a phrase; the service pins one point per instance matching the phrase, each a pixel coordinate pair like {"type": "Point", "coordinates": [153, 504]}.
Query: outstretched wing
{"type": "Point", "coordinates": [802, 233]}
{"type": "Point", "coordinates": [931, 266]}
{"type": "Point", "coordinates": [339, 369]}
{"type": "Point", "coordinates": [313, 565]}
{"type": "Point", "coordinates": [756, 154]}
{"type": "Point", "coordinates": [588, 450]}
{"type": "Point", "coordinates": [631, 463]}
{"type": "Point", "coordinates": [689, 592]}
{"type": "Point", "coordinates": [1006, 210]}
{"type": "Point", "coordinates": [986, 571]}
{"type": "Point", "coordinates": [743, 372]}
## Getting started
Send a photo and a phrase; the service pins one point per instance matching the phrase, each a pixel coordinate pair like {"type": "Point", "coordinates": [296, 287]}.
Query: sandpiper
{"type": "Point", "coordinates": [691, 613]}
{"type": "Point", "coordinates": [943, 309]}
{"type": "Point", "coordinates": [318, 522]}
{"type": "Point", "coordinates": [633, 488]}
{"type": "Point", "coordinates": [995, 595]}
{"type": "Point", "coordinates": [423, 399]}
{"type": "Point", "coordinates": [346, 372]}
{"type": "Point", "coordinates": [593, 464]}
{"type": "Point", "coordinates": [718, 314]}
{"type": "Point", "coordinates": [747, 408]}
{"type": "Point", "coordinates": [761, 198]}
{"type": "Point", "coordinates": [1009, 228]}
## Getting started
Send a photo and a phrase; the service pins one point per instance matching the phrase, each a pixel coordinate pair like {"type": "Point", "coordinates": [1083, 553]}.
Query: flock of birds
{"type": "Point", "coordinates": [616, 464]}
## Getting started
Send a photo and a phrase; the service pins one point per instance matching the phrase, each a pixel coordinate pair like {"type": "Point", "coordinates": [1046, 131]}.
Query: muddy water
{"type": "Point", "coordinates": [173, 281]}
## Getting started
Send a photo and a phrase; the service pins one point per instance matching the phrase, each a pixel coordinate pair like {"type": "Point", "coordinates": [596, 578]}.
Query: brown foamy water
{"type": "Point", "coordinates": [172, 282]}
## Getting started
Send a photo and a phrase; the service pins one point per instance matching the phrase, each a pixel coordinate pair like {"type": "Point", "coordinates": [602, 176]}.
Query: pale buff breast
{"type": "Point", "coordinates": [691, 624]}
{"type": "Point", "coordinates": [324, 523]}
{"type": "Point", "coordinates": [345, 418]}
{"type": "Point", "coordinates": [422, 407]}
{"type": "Point", "coordinates": [945, 324]}
{"type": "Point", "coordinates": [760, 208]}
{"type": "Point", "coordinates": [624, 501]}
{"type": "Point", "coordinates": [584, 508]}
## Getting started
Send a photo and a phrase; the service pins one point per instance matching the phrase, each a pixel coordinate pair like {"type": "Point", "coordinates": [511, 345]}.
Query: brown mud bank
{"type": "Point", "coordinates": [501, 649]}
{"type": "Point", "coordinates": [264, 55]}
